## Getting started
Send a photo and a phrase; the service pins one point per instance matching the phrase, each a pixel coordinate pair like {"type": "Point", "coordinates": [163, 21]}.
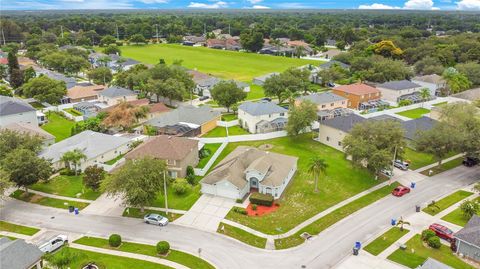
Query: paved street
{"type": "Point", "coordinates": [324, 251]}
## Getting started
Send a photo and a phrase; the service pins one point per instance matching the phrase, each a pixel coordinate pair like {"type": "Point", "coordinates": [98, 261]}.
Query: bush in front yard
{"type": "Point", "coordinates": [240, 210]}
{"type": "Point", "coordinates": [115, 240]}
{"type": "Point", "coordinates": [261, 199]}
{"type": "Point", "coordinates": [434, 242]}
{"type": "Point", "coordinates": [180, 186]}
{"type": "Point", "coordinates": [163, 247]}
{"type": "Point", "coordinates": [190, 175]}
{"type": "Point", "coordinates": [427, 234]}
{"type": "Point", "coordinates": [254, 207]}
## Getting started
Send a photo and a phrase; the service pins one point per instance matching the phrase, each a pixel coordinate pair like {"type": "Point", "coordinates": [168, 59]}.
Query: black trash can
{"type": "Point", "coordinates": [417, 208]}
{"type": "Point", "coordinates": [71, 209]}
{"type": "Point", "coordinates": [355, 251]}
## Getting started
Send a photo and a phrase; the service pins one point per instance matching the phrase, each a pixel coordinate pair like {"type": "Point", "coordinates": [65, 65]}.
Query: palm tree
{"type": "Point", "coordinates": [425, 94]}
{"type": "Point", "coordinates": [316, 167]}
{"type": "Point", "coordinates": [290, 96]}
{"type": "Point", "coordinates": [73, 157]}
{"type": "Point", "coordinates": [401, 223]}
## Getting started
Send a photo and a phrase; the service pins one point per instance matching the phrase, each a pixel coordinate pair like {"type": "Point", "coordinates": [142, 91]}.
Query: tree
{"type": "Point", "coordinates": [104, 60]}
{"type": "Point", "coordinates": [273, 86]}
{"type": "Point", "coordinates": [16, 162]}
{"type": "Point", "coordinates": [387, 48]}
{"type": "Point", "coordinates": [401, 222]}
{"type": "Point", "coordinates": [45, 89]}
{"type": "Point", "coordinates": [252, 40]}
{"type": "Point", "coordinates": [471, 70]}
{"type": "Point", "coordinates": [429, 65]}
{"type": "Point", "coordinates": [100, 75]}
{"type": "Point", "coordinates": [439, 141]}
{"type": "Point", "coordinates": [107, 40]}
{"type": "Point", "coordinates": [456, 82]}
{"type": "Point", "coordinates": [5, 91]}
{"type": "Point", "coordinates": [93, 177]}
{"type": "Point", "coordinates": [425, 95]}
{"type": "Point", "coordinates": [5, 183]}
{"type": "Point", "coordinates": [12, 140]}
{"type": "Point", "coordinates": [124, 115]}
{"type": "Point", "coordinates": [61, 259]}
{"type": "Point", "coordinates": [16, 78]}
{"type": "Point", "coordinates": [28, 74]}
{"type": "Point", "coordinates": [73, 157]}
{"type": "Point", "coordinates": [301, 117]}
{"type": "Point", "coordinates": [469, 208]}
{"type": "Point", "coordinates": [137, 38]}
{"type": "Point", "coordinates": [227, 93]}
{"type": "Point", "coordinates": [317, 167]}
{"type": "Point", "coordinates": [294, 80]}
{"type": "Point", "coordinates": [138, 182]}
{"type": "Point", "coordinates": [12, 62]}
{"type": "Point", "coordinates": [112, 49]}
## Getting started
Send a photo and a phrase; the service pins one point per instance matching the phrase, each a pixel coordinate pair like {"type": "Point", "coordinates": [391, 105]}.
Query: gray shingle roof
{"type": "Point", "coordinates": [332, 63]}
{"type": "Point", "coordinates": [399, 85]}
{"type": "Point", "coordinates": [185, 114]}
{"type": "Point", "coordinates": [323, 98]}
{"type": "Point", "coordinates": [115, 91]}
{"type": "Point", "coordinates": [10, 105]}
{"type": "Point", "coordinates": [471, 232]}
{"type": "Point", "coordinates": [344, 123]}
{"type": "Point", "coordinates": [69, 81]}
{"type": "Point", "coordinates": [266, 76]}
{"type": "Point", "coordinates": [433, 264]}
{"type": "Point", "coordinates": [91, 143]}
{"type": "Point", "coordinates": [412, 127]}
{"type": "Point", "coordinates": [261, 108]}
{"type": "Point", "coordinates": [18, 254]}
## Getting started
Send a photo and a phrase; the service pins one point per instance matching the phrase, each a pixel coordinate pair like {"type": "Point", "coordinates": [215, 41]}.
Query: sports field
{"type": "Point", "coordinates": [241, 66]}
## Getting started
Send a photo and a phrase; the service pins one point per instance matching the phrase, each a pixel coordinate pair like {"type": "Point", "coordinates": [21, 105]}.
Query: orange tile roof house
{"type": "Point", "coordinates": [81, 93]}
{"type": "Point", "coordinates": [178, 153]}
{"type": "Point", "coordinates": [357, 94]}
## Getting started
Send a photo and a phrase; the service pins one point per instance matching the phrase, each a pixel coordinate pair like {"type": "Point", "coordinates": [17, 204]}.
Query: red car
{"type": "Point", "coordinates": [442, 231]}
{"type": "Point", "coordinates": [400, 191]}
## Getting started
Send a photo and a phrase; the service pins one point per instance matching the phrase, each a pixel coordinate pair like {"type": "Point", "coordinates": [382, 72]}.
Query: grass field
{"type": "Point", "coordinates": [457, 217]}
{"type": "Point", "coordinates": [446, 202]}
{"type": "Point", "coordinates": [68, 186]}
{"type": "Point", "coordinates": [212, 148]}
{"type": "Point", "coordinates": [241, 66]}
{"type": "Point", "coordinates": [15, 228]}
{"type": "Point", "coordinates": [180, 257]}
{"type": "Point", "coordinates": [299, 201]}
{"type": "Point", "coordinates": [444, 167]}
{"type": "Point", "coordinates": [420, 159]}
{"type": "Point", "coordinates": [58, 126]}
{"type": "Point", "coordinates": [385, 240]}
{"type": "Point", "coordinates": [175, 201]}
{"type": "Point", "coordinates": [414, 113]}
{"type": "Point", "coordinates": [136, 213]}
{"type": "Point", "coordinates": [242, 235]}
{"type": "Point", "coordinates": [229, 117]}
{"type": "Point", "coordinates": [220, 131]}
{"type": "Point", "coordinates": [413, 260]}
{"type": "Point", "coordinates": [46, 201]}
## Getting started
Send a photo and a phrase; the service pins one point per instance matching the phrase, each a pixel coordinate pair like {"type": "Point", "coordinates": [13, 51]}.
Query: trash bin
{"type": "Point", "coordinates": [393, 222]}
{"type": "Point", "coordinates": [70, 209]}
{"type": "Point", "coordinates": [358, 245]}
{"type": "Point", "coordinates": [412, 185]}
{"type": "Point", "coordinates": [417, 208]}
{"type": "Point", "coordinates": [355, 251]}
{"type": "Point", "coordinates": [76, 211]}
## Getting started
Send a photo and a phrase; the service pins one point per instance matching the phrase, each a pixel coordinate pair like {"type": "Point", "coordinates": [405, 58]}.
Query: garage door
{"type": "Point", "coordinates": [225, 189]}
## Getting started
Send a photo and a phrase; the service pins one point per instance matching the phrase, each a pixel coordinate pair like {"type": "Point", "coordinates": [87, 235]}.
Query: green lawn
{"type": "Point", "coordinates": [114, 160]}
{"type": "Point", "coordinates": [212, 148]}
{"type": "Point", "coordinates": [421, 253]}
{"type": "Point", "coordinates": [444, 167]}
{"type": "Point", "coordinates": [58, 126]}
{"type": "Point", "coordinates": [457, 217]}
{"type": "Point", "coordinates": [299, 201]}
{"type": "Point", "coordinates": [440, 104]}
{"type": "Point", "coordinates": [333, 217]}
{"type": "Point", "coordinates": [175, 201]}
{"type": "Point", "coordinates": [37, 105]}
{"type": "Point", "coordinates": [256, 92]}
{"type": "Point", "coordinates": [414, 113]}
{"type": "Point", "coordinates": [105, 261]}
{"type": "Point", "coordinates": [229, 117]}
{"type": "Point", "coordinates": [136, 213]}
{"type": "Point", "coordinates": [419, 159]}
{"type": "Point", "coordinates": [180, 257]}
{"type": "Point", "coordinates": [19, 229]}
{"type": "Point", "coordinates": [446, 202]}
{"type": "Point", "coordinates": [46, 201]}
{"type": "Point", "coordinates": [220, 131]}
{"type": "Point", "coordinates": [242, 235]}
{"type": "Point", "coordinates": [68, 186]}
{"type": "Point", "coordinates": [73, 112]}
{"type": "Point", "coordinates": [382, 242]}
{"type": "Point", "coordinates": [241, 66]}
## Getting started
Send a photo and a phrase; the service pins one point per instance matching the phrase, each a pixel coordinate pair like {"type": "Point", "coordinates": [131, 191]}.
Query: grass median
{"type": "Point", "coordinates": [446, 202]}
{"type": "Point", "coordinates": [382, 242]}
{"type": "Point", "coordinates": [242, 235]}
{"type": "Point", "coordinates": [18, 229]}
{"type": "Point", "coordinates": [457, 217]}
{"type": "Point", "coordinates": [46, 201]}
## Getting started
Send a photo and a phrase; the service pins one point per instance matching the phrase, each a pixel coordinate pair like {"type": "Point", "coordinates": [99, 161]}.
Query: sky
{"type": "Point", "coordinates": [468, 5]}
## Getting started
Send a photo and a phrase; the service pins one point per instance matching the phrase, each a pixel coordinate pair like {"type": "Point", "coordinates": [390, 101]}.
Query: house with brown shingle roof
{"type": "Point", "coordinates": [177, 152]}
{"type": "Point", "coordinates": [357, 94]}
{"type": "Point", "coordinates": [81, 93]}
{"type": "Point", "coordinates": [32, 130]}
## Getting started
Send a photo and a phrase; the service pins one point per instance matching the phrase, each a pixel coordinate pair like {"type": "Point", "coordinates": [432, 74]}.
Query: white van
{"type": "Point", "coordinates": [54, 243]}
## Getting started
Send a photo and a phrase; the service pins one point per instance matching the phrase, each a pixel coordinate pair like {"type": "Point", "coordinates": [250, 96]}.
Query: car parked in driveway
{"type": "Point", "coordinates": [401, 165]}
{"type": "Point", "coordinates": [387, 172]}
{"type": "Point", "coordinates": [470, 161]}
{"type": "Point", "coordinates": [442, 232]}
{"type": "Point", "coordinates": [54, 243]}
{"type": "Point", "coordinates": [155, 219]}
{"type": "Point", "coordinates": [400, 191]}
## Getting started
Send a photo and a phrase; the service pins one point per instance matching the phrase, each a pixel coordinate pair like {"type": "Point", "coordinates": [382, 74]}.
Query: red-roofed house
{"type": "Point", "coordinates": [357, 93]}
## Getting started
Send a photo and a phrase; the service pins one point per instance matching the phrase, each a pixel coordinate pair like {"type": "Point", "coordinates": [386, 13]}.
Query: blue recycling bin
{"type": "Point", "coordinates": [76, 211]}
{"type": "Point", "coordinates": [358, 245]}
{"type": "Point", "coordinates": [393, 222]}
{"type": "Point", "coordinates": [412, 185]}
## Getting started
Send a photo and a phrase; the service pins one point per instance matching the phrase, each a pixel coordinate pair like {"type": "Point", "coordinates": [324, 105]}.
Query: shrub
{"type": "Point", "coordinates": [180, 186]}
{"type": "Point", "coordinates": [115, 240]}
{"type": "Point", "coordinates": [240, 210]}
{"type": "Point", "coordinates": [261, 199]}
{"type": "Point", "coordinates": [254, 207]}
{"type": "Point", "coordinates": [434, 242]}
{"type": "Point", "coordinates": [239, 201]}
{"type": "Point", "coordinates": [204, 153]}
{"type": "Point", "coordinates": [163, 247]}
{"type": "Point", "coordinates": [190, 175]}
{"type": "Point", "coordinates": [67, 172]}
{"type": "Point", "coordinates": [427, 234]}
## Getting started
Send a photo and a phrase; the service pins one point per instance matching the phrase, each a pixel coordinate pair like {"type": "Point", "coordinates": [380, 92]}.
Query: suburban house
{"type": "Point", "coordinates": [82, 92]}
{"type": "Point", "coordinates": [113, 95]}
{"type": "Point", "coordinates": [301, 46]}
{"type": "Point", "coordinates": [359, 95]}
{"type": "Point", "coordinates": [331, 43]}
{"type": "Point", "coordinates": [154, 109]}
{"type": "Point", "coordinates": [32, 130]}
{"type": "Point", "coordinates": [204, 83]}
{"type": "Point", "coordinates": [177, 152]}
{"type": "Point", "coordinates": [225, 42]}
{"type": "Point", "coordinates": [89, 109]}
{"type": "Point", "coordinates": [115, 64]}
{"type": "Point", "coordinates": [248, 168]}
{"type": "Point", "coordinates": [14, 110]}
{"type": "Point", "coordinates": [186, 121]}
{"type": "Point", "coordinates": [97, 147]}
{"type": "Point", "coordinates": [69, 81]}
{"type": "Point", "coordinates": [191, 40]}
{"type": "Point", "coordinates": [467, 239]}
{"type": "Point", "coordinates": [431, 263]}
{"type": "Point", "coordinates": [435, 83]}
{"type": "Point", "coordinates": [262, 117]}
{"type": "Point", "coordinates": [18, 254]}
{"type": "Point", "coordinates": [331, 63]}
{"type": "Point", "coordinates": [260, 80]}
{"type": "Point", "coordinates": [328, 104]}
{"type": "Point", "coordinates": [412, 127]}
{"type": "Point", "coordinates": [396, 91]}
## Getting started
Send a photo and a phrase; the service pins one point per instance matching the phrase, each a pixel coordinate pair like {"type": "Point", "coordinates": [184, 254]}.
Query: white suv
{"type": "Point", "coordinates": [54, 243]}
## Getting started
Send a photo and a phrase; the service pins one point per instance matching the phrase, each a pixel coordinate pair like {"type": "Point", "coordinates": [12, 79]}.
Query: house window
{"type": "Point", "coordinates": [172, 174]}
{"type": "Point", "coordinates": [328, 138]}
{"type": "Point", "coordinates": [323, 106]}
{"type": "Point", "coordinates": [340, 143]}
{"type": "Point", "coordinates": [282, 114]}
{"type": "Point", "coordinates": [171, 162]}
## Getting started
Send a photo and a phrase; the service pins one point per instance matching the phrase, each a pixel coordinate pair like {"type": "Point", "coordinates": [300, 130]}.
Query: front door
{"type": "Point", "coordinates": [254, 182]}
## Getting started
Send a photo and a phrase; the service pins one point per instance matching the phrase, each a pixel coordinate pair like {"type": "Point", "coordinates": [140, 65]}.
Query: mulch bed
{"type": "Point", "coordinates": [261, 209]}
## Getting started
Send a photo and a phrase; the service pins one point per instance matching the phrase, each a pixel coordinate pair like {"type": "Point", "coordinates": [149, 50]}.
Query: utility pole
{"type": "Point", "coordinates": [3, 37]}
{"type": "Point", "coordinates": [165, 190]}
{"type": "Point", "coordinates": [116, 27]}
{"type": "Point", "coordinates": [229, 29]}
{"type": "Point", "coordinates": [156, 27]}
{"type": "Point", "coordinates": [61, 30]}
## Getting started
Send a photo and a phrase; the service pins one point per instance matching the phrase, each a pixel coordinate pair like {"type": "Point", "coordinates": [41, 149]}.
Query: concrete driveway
{"type": "Point", "coordinates": [207, 213]}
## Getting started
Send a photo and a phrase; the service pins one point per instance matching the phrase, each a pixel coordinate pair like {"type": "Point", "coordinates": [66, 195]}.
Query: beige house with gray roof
{"type": "Point", "coordinates": [248, 168]}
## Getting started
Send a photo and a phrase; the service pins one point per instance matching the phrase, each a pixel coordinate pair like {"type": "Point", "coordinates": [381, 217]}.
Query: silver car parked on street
{"type": "Point", "coordinates": [155, 219]}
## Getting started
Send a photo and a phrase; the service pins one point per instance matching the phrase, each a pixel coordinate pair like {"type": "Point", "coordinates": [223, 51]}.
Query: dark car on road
{"type": "Point", "coordinates": [203, 98]}
{"type": "Point", "coordinates": [442, 231]}
{"type": "Point", "coordinates": [471, 161]}
{"type": "Point", "coordinates": [400, 191]}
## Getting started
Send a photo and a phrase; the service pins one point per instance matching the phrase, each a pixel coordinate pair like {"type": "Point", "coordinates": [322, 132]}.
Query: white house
{"type": "Point", "coordinates": [97, 147]}
{"type": "Point", "coordinates": [395, 91]}
{"type": "Point", "coordinates": [434, 83]}
{"type": "Point", "coordinates": [113, 95]}
{"type": "Point", "coordinates": [262, 117]}
{"type": "Point", "coordinates": [14, 110]}
{"type": "Point", "coordinates": [248, 168]}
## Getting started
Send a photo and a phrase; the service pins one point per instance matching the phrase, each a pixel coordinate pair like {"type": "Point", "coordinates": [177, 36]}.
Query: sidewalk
{"type": "Point", "coordinates": [60, 197]}
{"type": "Point", "coordinates": [436, 163]}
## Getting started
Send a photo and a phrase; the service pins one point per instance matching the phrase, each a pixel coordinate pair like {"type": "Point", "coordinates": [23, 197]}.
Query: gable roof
{"type": "Point", "coordinates": [357, 89]}
{"type": "Point", "coordinates": [332, 63]}
{"type": "Point", "coordinates": [323, 98]}
{"type": "Point", "coordinates": [185, 114]}
{"type": "Point", "coordinates": [471, 232]}
{"type": "Point", "coordinates": [344, 123]}
{"type": "Point", "coordinates": [164, 147]}
{"type": "Point", "coordinates": [116, 91]}
{"type": "Point", "coordinates": [431, 263]}
{"type": "Point", "coordinates": [11, 105]}
{"type": "Point", "coordinates": [69, 81]}
{"type": "Point", "coordinates": [91, 143]}
{"type": "Point", "coordinates": [29, 129]}
{"type": "Point", "coordinates": [266, 76]}
{"type": "Point", "coordinates": [261, 108]}
{"type": "Point", "coordinates": [398, 85]}
{"type": "Point", "coordinates": [243, 158]}
{"type": "Point", "coordinates": [434, 78]}
{"type": "Point", "coordinates": [81, 91]}
{"type": "Point", "coordinates": [18, 254]}
{"type": "Point", "coordinates": [412, 127]}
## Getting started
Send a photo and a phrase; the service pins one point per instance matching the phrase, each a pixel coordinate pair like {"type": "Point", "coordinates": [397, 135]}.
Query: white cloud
{"type": "Point", "coordinates": [468, 5]}
{"type": "Point", "coordinates": [254, 1]}
{"type": "Point", "coordinates": [154, 1]}
{"type": "Point", "coordinates": [219, 4]}
{"type": "Point", "coordinates": [65, 4]}
{"type": "Point", "coordinates": [260, 7]}
{"type": "Point", "coordinates": [377, 6]}
{"type": "Point", "coordinates": [419, 4]}
{"type": "Point", "coordinates": [292, 5]}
